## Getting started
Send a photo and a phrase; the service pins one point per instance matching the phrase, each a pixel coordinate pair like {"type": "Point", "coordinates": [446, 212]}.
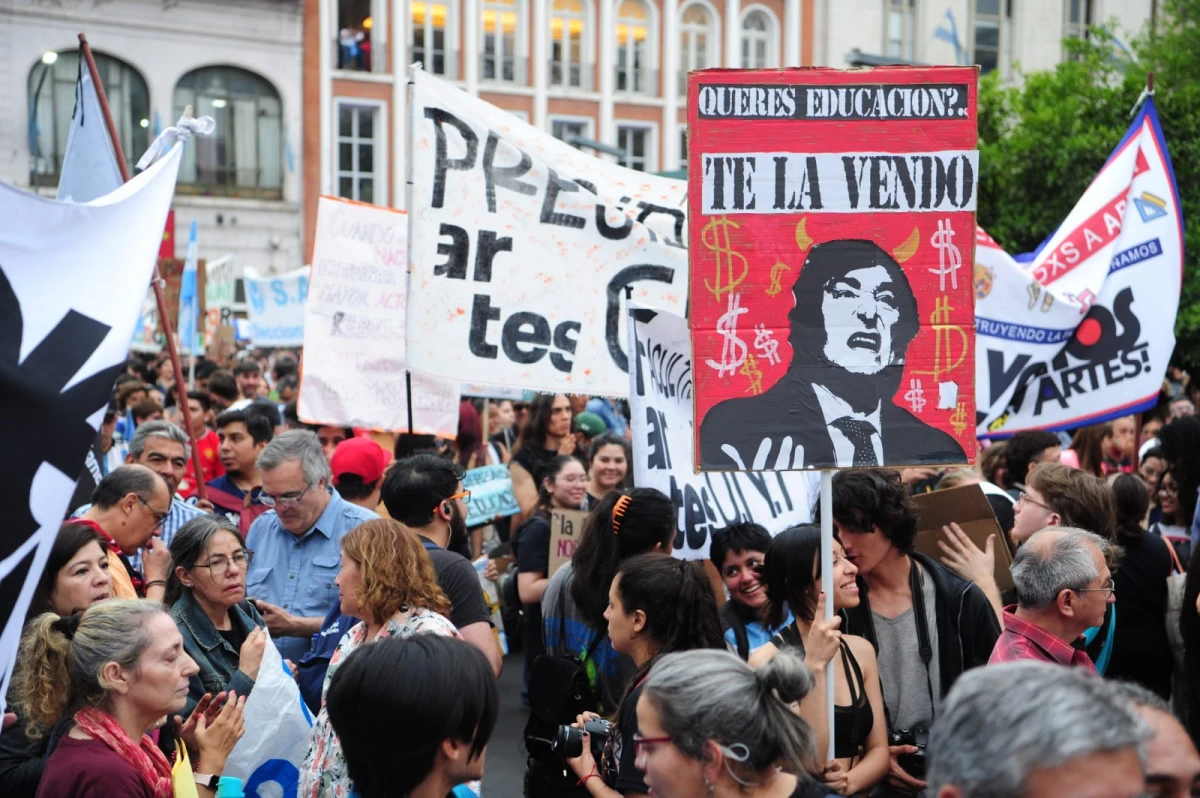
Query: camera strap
{"type": "Point", "coordinates": [924, 644]}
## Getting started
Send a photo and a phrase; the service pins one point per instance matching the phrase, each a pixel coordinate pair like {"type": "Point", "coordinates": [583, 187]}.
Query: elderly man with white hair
{"type": "Point", "coordinates": [1063, 587]}
{"type": "Point", "coordinates": [1036, 730]}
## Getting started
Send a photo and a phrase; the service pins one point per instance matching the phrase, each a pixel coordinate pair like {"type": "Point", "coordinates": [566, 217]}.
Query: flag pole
{"type": "Point", "coordinates": [827, 587]}
{"type": "Point", "coordinates": [156, 281]}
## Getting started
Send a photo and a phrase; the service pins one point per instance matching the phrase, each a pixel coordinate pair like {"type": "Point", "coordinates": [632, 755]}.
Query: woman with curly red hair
{"type": "Point", "coordinates": [388, 580]}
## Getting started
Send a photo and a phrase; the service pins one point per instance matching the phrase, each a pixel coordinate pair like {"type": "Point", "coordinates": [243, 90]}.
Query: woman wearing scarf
{"type": "Point", "coordinates": [119, 670]}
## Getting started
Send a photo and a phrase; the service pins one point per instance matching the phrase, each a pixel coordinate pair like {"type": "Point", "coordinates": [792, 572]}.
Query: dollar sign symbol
{"type": "Point", "coordinates": [949, 258]}
{"type": "Point", "coordinates": [753, 374]}
{"type": "Point", "coordinates": [715, 237]}
{"type": "Point", "coordinates": [775, 274]}
{"type": "Point", "coordinates": [959, 419]}
{"type": "Point", "coordinates": [915, 395]}
{"type": "Point", "coordinates": [727, 327]}
{"type": "Point", "coordinates": [944, 359]}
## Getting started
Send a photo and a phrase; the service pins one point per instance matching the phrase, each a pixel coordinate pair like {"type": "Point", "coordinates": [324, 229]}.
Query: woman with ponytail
{"type": "Point", "coordinates": [708, 725]}
{"type": "Point", "coordinates": [657, 605]}
{"type": "Point", "coordinates": [117, 670]}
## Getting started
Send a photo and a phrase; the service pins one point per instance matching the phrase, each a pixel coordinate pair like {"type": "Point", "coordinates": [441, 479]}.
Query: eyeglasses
{"type": "Point", "coordinates": [1025, 498]}
{"type": "Point", "coordinates": [220, 563]}
{"type": "Point", "coordinates": [640, 743]}
{"type": "Point", "coordinates": [1110, 588]}
{"type": "Point", "coordinates": [520, 406]}
{"type": "Point", "coordinates": [464, 495]}
{"type": "Point", "coordinates": [285, 500]}
{"type": "Point", "coordinates": [1168, 489]}
{"type": "Point", "coordinates": [158, 517]}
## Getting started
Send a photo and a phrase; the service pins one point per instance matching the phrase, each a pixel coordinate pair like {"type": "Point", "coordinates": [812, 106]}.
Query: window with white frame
{"type": "Point", "coordinates": [634, 141]}
{"type": "Point", "coordinates": [683, 150]}
{"type": "Point", "coordinates": [357, 163]}
{"type": "Point", "coordinates": [501, 33]}
{"type": "Point", "coordinates": [1078, 15]}
{"type": "Point", "coordinates": [431, 34]}
{"type": "Point", "coordinates": [758, 40]}
{"type": "Point", "coordinates": [633, 47]}
{"type": "Point", "coordinates": [900, 22]}
{"type": "Point", "coordinates": [989, 33]}
{"type": "Point", "coordinates": [569, 128]}
{"type": "Point", "coordinates": [699, 42]}
{"type": "Point", "coordinates": [355, 24]}
{"type": "Point", "coordinates": [568, 61]}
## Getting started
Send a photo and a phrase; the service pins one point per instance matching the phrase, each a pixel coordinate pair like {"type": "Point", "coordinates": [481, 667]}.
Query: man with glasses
{"type": "Point", "coordinates": [1063, 588]}
{"type": "Point", "coordinates": [298, 542]}
{"type": "Point", "coordinates": [1058, 495]}
{"type": "Point", "coordinates": [128, 509]}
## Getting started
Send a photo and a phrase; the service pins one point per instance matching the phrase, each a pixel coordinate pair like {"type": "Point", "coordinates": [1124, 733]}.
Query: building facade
{"type": "Point", "coordinates": [238, 61]}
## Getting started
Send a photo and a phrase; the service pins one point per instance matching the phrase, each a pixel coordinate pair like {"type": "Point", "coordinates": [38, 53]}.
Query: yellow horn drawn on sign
{"type": "Point", "coordinates": [802, 239]}
{"type": "Point", "coordinates": [909, 247]}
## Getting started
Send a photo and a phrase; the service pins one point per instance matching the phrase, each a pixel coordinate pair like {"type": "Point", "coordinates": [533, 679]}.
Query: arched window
{"type": "Point", "coordinates": [52, 102]}
{"type": "Point", "coordinates": [758, 40]}
{"type": "Point", "coordinates": [700, 43]}
{"type": "Point", "coordinates": [634, 40]}
{"type": "Point", "coordinates": [244, 157]}
{"type": "Point", "coordinates": [569, 62]}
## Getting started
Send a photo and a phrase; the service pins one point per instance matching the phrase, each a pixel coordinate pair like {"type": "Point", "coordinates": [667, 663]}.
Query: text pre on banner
{"type": "Point", "coordinates": [832, 224]}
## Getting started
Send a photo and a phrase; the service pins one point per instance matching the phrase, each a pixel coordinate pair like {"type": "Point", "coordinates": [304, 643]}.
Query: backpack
{"type": "Point", "coordinates": [730, 619]}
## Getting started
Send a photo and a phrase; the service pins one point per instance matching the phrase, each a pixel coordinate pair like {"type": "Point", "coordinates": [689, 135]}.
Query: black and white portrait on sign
{"type": "Point", "coordinates": [854, 318]}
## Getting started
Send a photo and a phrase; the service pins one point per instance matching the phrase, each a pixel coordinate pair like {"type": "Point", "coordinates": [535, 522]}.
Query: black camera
{"type": "Point", "coordinates": [913, 764]}
{"type": "Point", "coordinates": [568, 741]}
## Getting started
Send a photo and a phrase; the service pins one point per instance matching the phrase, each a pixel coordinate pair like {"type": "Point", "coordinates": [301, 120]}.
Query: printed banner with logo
{"type": "Point", "coordinates": [522, 247]}
{"type": "Point", "coordinates": [1083, 330]}
{"type": "Point", "coordinates": [72, 277]}
{"type": "Point", "coordinates": [276, 307]}
{"type": "Point", "coordinates": [832, 216]}
{"type": "Point", "coordinates": [660, 387]}
{"type": "Point", "coordinates": [354, 369]}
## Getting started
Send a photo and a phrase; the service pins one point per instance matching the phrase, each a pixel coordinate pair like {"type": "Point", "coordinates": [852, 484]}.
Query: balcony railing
{"type": "Point", "coordinates": [568, 76]}
{"type": "Point", "coordinates": [443, 63]}
{"type": "Point", "coordinates": [641, 81]}
{"type": "Point", "coordinates": [504, 69]}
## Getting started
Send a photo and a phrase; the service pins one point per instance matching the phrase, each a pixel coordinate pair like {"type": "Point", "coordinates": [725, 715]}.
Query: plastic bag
{"type": "Point", "coordinates": [278, 728]}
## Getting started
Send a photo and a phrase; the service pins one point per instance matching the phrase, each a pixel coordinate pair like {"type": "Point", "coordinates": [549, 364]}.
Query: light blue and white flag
{"type": "Point", "coordinates": [89, 168]}
{"type": "Point", "coordinates": [189, 299]}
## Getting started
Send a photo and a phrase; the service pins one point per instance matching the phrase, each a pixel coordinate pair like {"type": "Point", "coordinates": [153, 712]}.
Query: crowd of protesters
{"type": "Point", "coordinates": [151, 622]}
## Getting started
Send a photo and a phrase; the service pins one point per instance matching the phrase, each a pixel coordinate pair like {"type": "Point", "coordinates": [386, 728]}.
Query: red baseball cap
{"type": "Point", "coordinates": [362, 457]}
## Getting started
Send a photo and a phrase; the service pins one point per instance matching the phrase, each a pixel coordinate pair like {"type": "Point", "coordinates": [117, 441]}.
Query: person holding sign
{"type": "Point", "coordinates": [563, 487]}
{"type": "Point", "coordinates": [792, 573]}
{"type": "Point", "coordinates": [545, 435]}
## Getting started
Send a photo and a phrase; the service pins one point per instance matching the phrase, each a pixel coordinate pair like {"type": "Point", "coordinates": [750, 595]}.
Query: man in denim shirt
{"type": "Point", "coordinates": [297, 545]}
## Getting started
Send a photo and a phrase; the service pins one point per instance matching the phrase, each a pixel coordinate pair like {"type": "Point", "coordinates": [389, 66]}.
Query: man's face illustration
{"type": "Point", "coordinates": [860, 312]}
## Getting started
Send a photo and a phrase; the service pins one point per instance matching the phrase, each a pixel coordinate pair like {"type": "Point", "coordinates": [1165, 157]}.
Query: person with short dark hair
{"type": "Point", "coordinates": [222, 389]}
{"type": "Point", "coordinates": [287, 388]}
{"type": "Point", "coordinates": [248, 374]}
{"type": "Point", "coordinates": [208, 444]}
{"type": "Point", "coordinates": [928, 624]}
{"type": "Point", "coordinates": [243, 434]}
{"type": "Point", "coordinates": [146, 410]}
{"type": "Point", "coordinates": [1059, 495]}
{"type": "Point", "coordinates": [358, 466]}
{"type": "Point", "coordinates": [414, 715]}
{"type": "Point", "coordinates": [738, 552]}
{"type": "Point", "coordinates": [331, 436]}
{"type": "Point", "coordinates": [853, 319]}
{"type": "Point", "coordinates": [1025, 450]}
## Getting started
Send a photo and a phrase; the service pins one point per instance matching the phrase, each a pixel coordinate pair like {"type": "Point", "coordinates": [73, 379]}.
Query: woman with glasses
{"type": "Point", "coordinates": [206, 593]}
{"type": "Point", "coordinates": [709, 725]}
{"type": "Point", "coordinates": [564, 487]}
{"type": "Point", "coordinates": [1173, 525]}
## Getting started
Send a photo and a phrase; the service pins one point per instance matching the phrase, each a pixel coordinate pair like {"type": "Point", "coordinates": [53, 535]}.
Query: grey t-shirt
{"type": "Point", "coordinates": [901, 672]}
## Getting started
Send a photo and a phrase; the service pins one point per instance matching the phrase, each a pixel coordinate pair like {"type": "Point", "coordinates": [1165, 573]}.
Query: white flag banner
{"type": "Point", "coordinates": [89, 168]}
{"type": "Point", "coordinates": [72, 279]}
{"type": "Point", "coordinates": [522, 247]}
{"type": "Point", "coordinates": [275, 306]}
{"type": "Point", "coordinates": [1083, 330]}
{"type": "Point", "coordinates": [220, 290]}
{"type": "Point", "coordinates": [660, 400]}
{"type": "Point", "coordinates": [354, 369]}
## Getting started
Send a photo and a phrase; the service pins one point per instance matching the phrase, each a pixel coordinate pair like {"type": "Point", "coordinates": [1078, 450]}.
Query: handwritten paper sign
{"type": "Point", "coordinates": [354, 342]}
{"type": "Point", "coordinates": [491, 494]}
{"type": "Point", "coordinates": [566, 528]}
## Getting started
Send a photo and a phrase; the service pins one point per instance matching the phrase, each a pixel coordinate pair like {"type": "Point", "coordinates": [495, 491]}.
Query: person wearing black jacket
{"type": "Point", "coordinates": [928, 625]}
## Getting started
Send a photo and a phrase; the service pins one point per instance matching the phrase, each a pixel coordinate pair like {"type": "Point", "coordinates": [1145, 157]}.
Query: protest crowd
{"type": "Point", "coordinates": [156, 615]}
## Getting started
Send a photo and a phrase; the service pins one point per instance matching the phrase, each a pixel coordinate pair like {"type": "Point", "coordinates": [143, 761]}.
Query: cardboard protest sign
{"type": "Point", "coordinates": [276, 307]}
{"type": "Point", "coordinates": [968, 507]}
{"type": "Point", "coordinates": [171, 270]}
{"type": "Point", "coordinates": [566, 528]}
{"type": "Point", "coordinates": [831, 219]}
{"type": "Point", "coordinates": [491, 494]}
{"type": "Point", "coordinates": [354, 338]}
{"type": "Point", "coordinates": [523, 246]}
{"type": "Point", "coordinates": [661, 408]}
{"type": "Point", "coordinates": [1083, 330]}
{"type": "Point", "coordinates": [220, 290]}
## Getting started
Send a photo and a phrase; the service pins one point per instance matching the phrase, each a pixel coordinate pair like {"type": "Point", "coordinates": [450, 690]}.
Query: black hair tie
{"type": "Point", "coordinates": [67, 626]}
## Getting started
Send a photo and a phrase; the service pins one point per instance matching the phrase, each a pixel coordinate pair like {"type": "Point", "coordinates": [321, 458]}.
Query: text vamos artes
{"type": "Point", "coordinates": [782, 182]}
{"type": "Point", "coordinates": [926, 101]}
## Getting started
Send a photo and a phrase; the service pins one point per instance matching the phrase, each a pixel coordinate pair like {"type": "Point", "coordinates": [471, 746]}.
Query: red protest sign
{"type": "Point", "coordinates": [832, 219]}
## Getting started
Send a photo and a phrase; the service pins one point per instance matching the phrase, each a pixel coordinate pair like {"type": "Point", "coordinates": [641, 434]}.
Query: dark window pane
{"type": "Point", "coordinates": [366, 158]}
{"type": "Point", "coordinates": [346, 187]}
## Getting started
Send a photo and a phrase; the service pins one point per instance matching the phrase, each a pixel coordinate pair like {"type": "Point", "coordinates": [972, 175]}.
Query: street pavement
{"type": "Point", "coordinates": [504, 770]}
